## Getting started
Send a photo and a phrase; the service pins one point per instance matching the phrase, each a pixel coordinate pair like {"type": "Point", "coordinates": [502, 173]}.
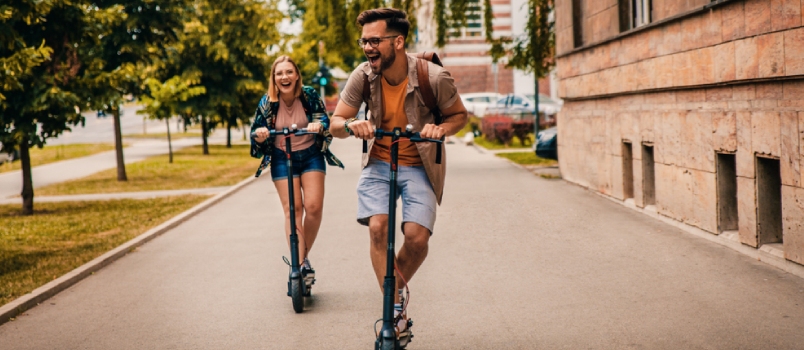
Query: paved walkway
{"type": "Point", "coordinates": [11, 182]}
{"type": "Point", "coordinates": [515, 262]}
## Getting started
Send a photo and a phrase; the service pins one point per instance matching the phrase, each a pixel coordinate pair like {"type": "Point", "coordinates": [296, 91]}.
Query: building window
{"type": "Point", "coordinates": [634, 13]}
{"type": "Point", "coordinates": [577, 23]}
{"type": "Point", "coordinates": [474, 22]}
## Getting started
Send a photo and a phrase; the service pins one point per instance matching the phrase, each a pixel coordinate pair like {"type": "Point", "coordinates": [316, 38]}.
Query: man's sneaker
{"type": "Point", "coordinates": [307, 271]}
{"type": "Point", "coordinates": [402, 322]}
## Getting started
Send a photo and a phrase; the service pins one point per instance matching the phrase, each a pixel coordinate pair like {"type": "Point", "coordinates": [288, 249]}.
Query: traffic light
{"type": "Point", "coordinates": [322, 77]}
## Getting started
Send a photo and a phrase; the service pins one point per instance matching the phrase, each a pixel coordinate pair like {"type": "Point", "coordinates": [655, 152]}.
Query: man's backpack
{"type": "Point", "coordinates": [423, 73]}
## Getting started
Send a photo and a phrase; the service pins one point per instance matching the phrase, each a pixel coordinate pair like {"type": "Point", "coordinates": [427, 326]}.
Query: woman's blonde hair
{"type": "Point", "coordinates": [273, 90]}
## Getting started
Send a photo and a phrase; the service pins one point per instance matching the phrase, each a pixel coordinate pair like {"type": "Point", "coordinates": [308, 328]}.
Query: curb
{"type": "Point", "coordinates": [38, 295]}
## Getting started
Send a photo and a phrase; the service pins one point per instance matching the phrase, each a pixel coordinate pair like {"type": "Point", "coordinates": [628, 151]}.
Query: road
{"type": "Point", "coordinates": [101, 130]}
{"type": "Point", "coordinates": [515, 262]}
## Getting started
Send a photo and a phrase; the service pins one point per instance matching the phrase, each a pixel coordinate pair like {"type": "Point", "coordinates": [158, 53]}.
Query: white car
{"type": "Point", "coordinates": [551, 106]}
{"type": "Point", "coordinates": [477, 102]}
{"type": "Point", "coordinates": [513, 102]}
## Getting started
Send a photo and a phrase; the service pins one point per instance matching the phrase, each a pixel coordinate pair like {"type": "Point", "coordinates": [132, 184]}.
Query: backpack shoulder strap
{"type": "Point", "coordinates": [366, 93]}
{"type": "Point", "coordinates": [423, 72]}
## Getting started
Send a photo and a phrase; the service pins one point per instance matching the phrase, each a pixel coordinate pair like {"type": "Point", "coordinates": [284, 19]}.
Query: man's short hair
{"type": "Point", "coordinates": [396, 20]}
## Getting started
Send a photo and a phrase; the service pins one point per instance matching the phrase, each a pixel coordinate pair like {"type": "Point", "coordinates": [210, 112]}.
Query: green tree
{"type": "Point", "coordinates": [43, 47]}
{"type": "Point", "coordinates": [226, 43]}
{"type": "Point", "coordinates": [161, 100]}
{"type": "Point", "coordinates": [147, 30]}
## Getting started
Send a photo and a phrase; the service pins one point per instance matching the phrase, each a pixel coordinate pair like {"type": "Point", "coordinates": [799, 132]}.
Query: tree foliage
{"type": "Point", "coordinates": [225, 44]}
{"type": "Point", "coordinates": [162, 98]}
{"type": "Point", "coordinates": [43, 47]}
{"type": "Point", "coordinates": [147, 29]}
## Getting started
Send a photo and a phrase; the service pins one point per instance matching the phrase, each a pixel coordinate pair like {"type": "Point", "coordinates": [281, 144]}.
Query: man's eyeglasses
{"type": "Point", "coordinates": [373, 41]}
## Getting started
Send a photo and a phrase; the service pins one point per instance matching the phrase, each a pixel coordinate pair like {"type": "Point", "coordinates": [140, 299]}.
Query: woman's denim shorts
{"type": "Point", "coordinates": [306, 160]}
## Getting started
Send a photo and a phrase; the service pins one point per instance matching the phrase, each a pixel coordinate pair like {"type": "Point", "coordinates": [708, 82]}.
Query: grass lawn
{"type": "Point", "coordinates": [190, 169]}
{"type": "Point", "coordinates": [527, 158]}
{"type": "Point", "coordinates": [50, 154]}
{"type": "Point", "coordinates": [493, 145]}
{"type": "Point", "coordinates": [62, 236]}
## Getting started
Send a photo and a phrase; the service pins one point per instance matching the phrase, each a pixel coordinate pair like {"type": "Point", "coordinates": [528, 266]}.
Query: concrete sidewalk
{"type": "Point", "coordinates": [515, 262]}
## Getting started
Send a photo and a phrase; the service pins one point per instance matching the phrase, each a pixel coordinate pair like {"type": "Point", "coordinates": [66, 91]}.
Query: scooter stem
{"type": "Point", "coordinates": [294, 238]}
{"type": "Point", "coordinates": [388, 331]}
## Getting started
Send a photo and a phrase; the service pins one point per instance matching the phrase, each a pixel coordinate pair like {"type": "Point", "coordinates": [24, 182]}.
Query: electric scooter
{"type": "Point", "coordinates": [298, 286]}
{"type": "Point", "coordinates": [387, 338]}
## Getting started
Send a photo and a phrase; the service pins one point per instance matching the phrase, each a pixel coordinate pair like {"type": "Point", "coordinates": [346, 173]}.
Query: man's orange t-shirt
{"type": "Point", "coordinates": [393, 98]}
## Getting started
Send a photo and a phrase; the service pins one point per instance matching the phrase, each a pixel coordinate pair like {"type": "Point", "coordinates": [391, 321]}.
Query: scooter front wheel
{"type": "Point", "coordinates": [386, 344]}
{"type": "Point", "coordinates": [297, 295]}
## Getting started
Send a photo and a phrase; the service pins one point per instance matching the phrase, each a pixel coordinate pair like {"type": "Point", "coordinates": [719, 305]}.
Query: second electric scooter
{"type": "Point", "coordinates": [298, 286]}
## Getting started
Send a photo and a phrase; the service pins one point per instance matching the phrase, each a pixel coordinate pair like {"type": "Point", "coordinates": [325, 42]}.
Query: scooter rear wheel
{"type": "Point", "coordinates": [297, 295]}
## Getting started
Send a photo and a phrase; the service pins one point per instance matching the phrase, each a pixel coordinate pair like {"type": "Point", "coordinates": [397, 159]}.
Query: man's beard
{"type": "Point", "coordinates": [386, 63]}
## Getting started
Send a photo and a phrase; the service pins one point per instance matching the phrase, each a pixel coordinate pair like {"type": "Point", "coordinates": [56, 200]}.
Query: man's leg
{"type": "Point", "coordinates": [413, 251]}
{"type": "Point", "coordinates": [378, 231]}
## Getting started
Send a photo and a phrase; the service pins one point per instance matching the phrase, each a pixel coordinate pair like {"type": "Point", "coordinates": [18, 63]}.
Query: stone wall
{"type": "Point", "coordinates": [704, 81]}
{"type": "Point", "coordinates": [686, 130]}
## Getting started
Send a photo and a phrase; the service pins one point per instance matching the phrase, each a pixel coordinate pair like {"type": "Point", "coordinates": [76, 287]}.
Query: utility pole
{"type": "Point", "coordinates": [321, 65]}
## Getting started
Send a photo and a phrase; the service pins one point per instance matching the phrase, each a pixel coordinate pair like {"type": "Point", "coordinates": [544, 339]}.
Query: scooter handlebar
{"type": "Point", "coordinates": [286, 131]}
{"type": "Point", "coordinates": [410, 135]}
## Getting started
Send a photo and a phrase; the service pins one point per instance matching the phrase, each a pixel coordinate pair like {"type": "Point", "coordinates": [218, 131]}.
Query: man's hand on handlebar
{"type": "Point", "coordinates": [362, 129]}
{"type": "Point", "coordinates": [262, 134]}
{"type": "Point", "coordinates": [432, 131]}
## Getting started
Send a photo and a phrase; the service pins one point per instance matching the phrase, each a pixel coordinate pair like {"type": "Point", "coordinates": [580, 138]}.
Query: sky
{"type": "Point", "coordinates": [286, 26]}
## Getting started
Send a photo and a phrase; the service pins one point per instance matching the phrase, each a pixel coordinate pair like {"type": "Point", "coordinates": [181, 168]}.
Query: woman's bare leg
{"type": "Point", "coordinates": [312, 184]}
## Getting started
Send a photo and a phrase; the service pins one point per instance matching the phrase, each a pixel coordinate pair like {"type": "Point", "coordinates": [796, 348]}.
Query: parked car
{"type": "Point", "coordinates": [551, 106]}
{"type": "Point", "coordinates": [8, 157]}
{"type": "Point", "coordinates": [546, 145]}
{"type": "Point", "coordinates": [477, 102]}
{"type": "Point", "coordinates": [547, 106]}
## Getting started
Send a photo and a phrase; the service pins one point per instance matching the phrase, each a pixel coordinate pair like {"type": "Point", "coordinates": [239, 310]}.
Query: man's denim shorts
{"type": "Point", "coordinates": [306, 160]}
{"type": "Point", "coordinates": [418, 198]}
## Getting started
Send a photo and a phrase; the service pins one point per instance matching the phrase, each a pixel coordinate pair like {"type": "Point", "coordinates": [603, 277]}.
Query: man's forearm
{"type": "Point", "coordinates": [336, 128]}
{"type": "Point", "coordinates": [454, 123]}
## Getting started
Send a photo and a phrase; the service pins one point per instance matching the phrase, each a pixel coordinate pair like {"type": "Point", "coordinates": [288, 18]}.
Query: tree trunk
{"type": "Point", "coordinates": [27, 180]}
{"type": "Point", "coordinates": [204, 134]}
{"type": "Point", "coordinates": [118, 146]}
{"type": "Point", "coordinates": [536, 105]}
{"type": "Point", "coordinates": [229, 133]}
{"type": "Point", "coordinates": [170, 145]}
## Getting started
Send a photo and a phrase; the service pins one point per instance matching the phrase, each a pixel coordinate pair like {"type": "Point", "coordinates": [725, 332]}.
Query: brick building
{"type": "Point", "coordinates": [466, 53]}
{"type": "Point", "coordinates": [691, 109]}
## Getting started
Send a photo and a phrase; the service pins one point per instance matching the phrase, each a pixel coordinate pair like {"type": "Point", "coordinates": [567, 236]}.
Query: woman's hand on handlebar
{"type": "Point", "coordinates": [432, 131]}
{"type": "Point", "coordinates": [262, 134]}
{"type": "Point", "coordinates": [314, 128]}
{"type": "Point", "coordinates": [362, 129]}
